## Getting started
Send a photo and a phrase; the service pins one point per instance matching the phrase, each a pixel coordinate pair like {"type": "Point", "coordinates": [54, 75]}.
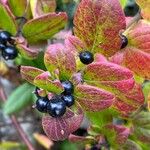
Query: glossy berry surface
{"type": "Point", "coordinates": [124, 41]}
{"type": "Point", "coordinates": [9, 52]}
{"type": "Point", "coordinates": [86, 57]}
{"type": "Point", "coordinates": [68, 99]}
{"type": "Point", "coordinates": [2, 46]}
{"type": "Point", "coordinates": [68, 87]}
{"type": "Point", "coordinates": [56, 107]}
{"type": "Point", "coordinates": [5, 36]}
{"type": "Point", "coordinates": [41, 104]}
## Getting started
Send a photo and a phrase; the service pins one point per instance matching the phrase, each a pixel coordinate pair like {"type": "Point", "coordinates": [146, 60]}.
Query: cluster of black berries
{"type": "Point", "coordinates": [8, 50]}
{"type": "Point", "coordinates": [56, 107]}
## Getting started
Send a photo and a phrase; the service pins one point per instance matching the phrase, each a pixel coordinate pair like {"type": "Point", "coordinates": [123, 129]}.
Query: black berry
{"type": "Point", "coordinates": [68, 87]}
{"type": "Point", "coordinates": [41, 104]}
{"type": "Point", "coordinates": [9, 52]}
{"type": "Point", "coordinates": [5, 36]}
{"type": "Point", "coordinates": [68, 99]}
{"type": "Point", "coordinates": [56, 107]}
{"type": "Point", "coordinates": [124, 41]}
{"type": "Point", "coordinates": [2, 46]}
{"type": "Point", "coordinates": [86, 57]}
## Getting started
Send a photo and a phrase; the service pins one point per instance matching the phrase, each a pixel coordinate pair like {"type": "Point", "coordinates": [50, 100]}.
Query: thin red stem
{"type": "Point", "coordinates": [16, 124]}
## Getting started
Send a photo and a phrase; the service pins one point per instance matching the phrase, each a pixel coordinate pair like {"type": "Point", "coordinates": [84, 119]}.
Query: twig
{"type": "Point", "coordinates": [16, 124]}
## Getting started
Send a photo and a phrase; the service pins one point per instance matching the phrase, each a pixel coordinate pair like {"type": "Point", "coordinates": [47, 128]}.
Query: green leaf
{"type": "Point", "coordinates": [123, 3]}
{"type": "Point", "coordinates": [44, 27]}
{"type": "Point", "coordinates": [146, 89]}
{"type": "Point", "coordinates": [19, 99]}
{"type": "Point", "coordinates": [7, 21]}
{"type": "Point", "coordinates": [18, 7]}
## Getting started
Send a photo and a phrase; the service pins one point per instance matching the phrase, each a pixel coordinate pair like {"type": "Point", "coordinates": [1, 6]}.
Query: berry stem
{"type": "Point", "coordinates": [16, 123]}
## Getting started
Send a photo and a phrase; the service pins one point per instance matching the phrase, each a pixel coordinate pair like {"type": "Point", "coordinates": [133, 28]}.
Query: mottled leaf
{"type": "Point", "coordinates": [118, 81]}
{"type": "Point", "coordinates": [44, 27]}
{"type": "Point", "coordinates": [136, 56]}
{"type": "Point", "coordinates": [26, 52]}
{"type": "Point", "coordinates": [44, 81]}
{"type": "Point", "coordinates": [97, 24]}
{"type": "Point", "coordinates": [144, 5]}
{"type": "Point", "coordinates": [29, 73]}
{"type": "Point", "coordinates": [116, 134]}
{"type": "Point", "coordinates": [39, 7]}
{"type": "Point", "coordinates": [59, 57]}
{"type": "Point", "coordinates": [92, 98]}
{"type": "Point", "coordinates": [7, 21]}
{"type": "Point", "coordinates": [60, 128]}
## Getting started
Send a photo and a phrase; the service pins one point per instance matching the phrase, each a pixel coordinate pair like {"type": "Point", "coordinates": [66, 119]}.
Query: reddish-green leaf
{"type": "Point", "coordinates": [92, 98]}
{"type": "Point", "coordinates": [144, 5]}
{"type": "Point", "coordinates": [26, 52]}
{"type": "Point", "coordinates": [136, 56]}
{"type": "Point", "coordinates": [44, 81]}
{"type": "Point", "coordinates": [29, 73]}
{"type": "Point", "coordinates": [44, 27]}
{"type": "Point", "coordinates": [116, 134]}
{"type": "Point", "coordinates": [118, 81]}
{"type": "Point", "coordinates": [60, 128]}
{"type": "Point", "coordinates": [7, 21]}
{"type": "Point", "coordinates": [97, 24]}
{"type": "Point", "coordinates": [59, 57]}
{"type": "Point", "coordinates": [39, 7]}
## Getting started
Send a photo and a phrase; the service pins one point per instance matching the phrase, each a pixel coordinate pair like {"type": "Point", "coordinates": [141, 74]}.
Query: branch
{"type": "Point", "coordinates": [16, 124]}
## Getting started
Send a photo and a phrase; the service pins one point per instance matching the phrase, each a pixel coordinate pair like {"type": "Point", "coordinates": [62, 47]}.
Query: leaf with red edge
{"type": "Point", "coordinates": [92, 98]}
{"type": "Point", "coordinates": [26, 52]}
{"type": "Point", "coordinates": [60, 128]}
{"type": "Point", "coordinates": [29, 73]}
{"type": "Point", "coordinates": [116, 134]}
{"type": "Point", "coordinates": [136, 56]}
{"type": "Point", "coordinates": [39, 7]}
{"type": "Point", "coordinates": [144, 5]}
{"type": "Point", "coordinates": [7, 20]}
{"type": "Point", "coordinates": [44, 81]}
{"type": "Point", "coordinates": [59, 57]}
{"type": "Point", "coordinates": [118, 81]}
{"type": "Point", "coordinates": [97, 24]}
{"type": "Point", "coordinates": [44, 27]}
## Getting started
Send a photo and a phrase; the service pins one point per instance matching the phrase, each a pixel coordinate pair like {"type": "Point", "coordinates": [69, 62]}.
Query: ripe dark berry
{"type": "Point", "coordinates": [56, 107]}
{"type": "Point", "coordinates": [9, 52]}
{"type": "Point", "coordinates": [41, 104]}
{"type": "Point", "coordinates": [68, 87]}
{"type": "Point", "coordinates": [124, 41]}
{"type": "Point", "coordinates": [5, 36]}
{"type": "Point", "coordinates": [68, 99]}
{"type": "Point", "coordinates": [86, 57]}
{"type": "Point", "coordinates": [2, 46]}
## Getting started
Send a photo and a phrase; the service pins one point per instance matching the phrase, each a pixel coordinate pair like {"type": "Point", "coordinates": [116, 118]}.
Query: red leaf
{"type": "Point", "coordinates": [119, 82]}
{"type": "Point", "coordinates": [58, 57]}
{"type": "Point", "coordinates": [60, 128]}
{"type": "Point", "coordinates": [136, 56]}
{"type": "Point", "coordinates": [92, 98]}
{"type": "Point", "coordinates": [97, 24]}
{"type": "Point", "coordinates": [29, 73]}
